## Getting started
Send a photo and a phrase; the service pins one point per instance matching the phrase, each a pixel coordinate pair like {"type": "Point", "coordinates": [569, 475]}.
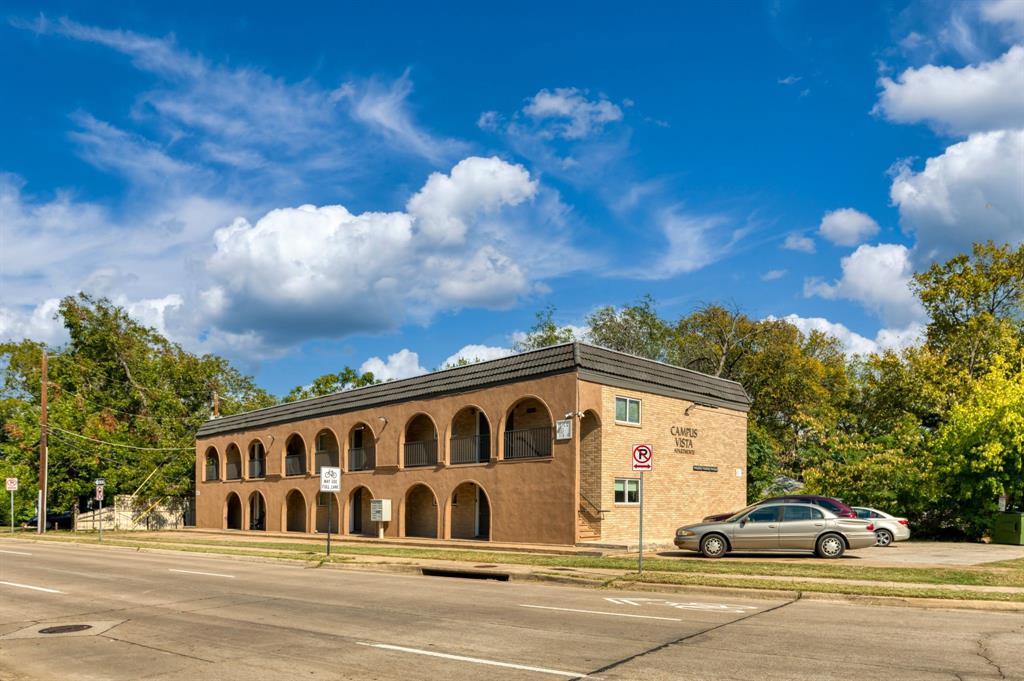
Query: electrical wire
{"type": "Point", "coordinates": [116, 444]}
{"type": "Point", "coordinates": [122, 411]}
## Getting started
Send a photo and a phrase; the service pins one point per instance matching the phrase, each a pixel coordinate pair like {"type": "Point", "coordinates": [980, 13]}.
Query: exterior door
{"type": "Point", "coordinates": [800, 526]}
{"type": "Point", "coordinates": [758, 530]}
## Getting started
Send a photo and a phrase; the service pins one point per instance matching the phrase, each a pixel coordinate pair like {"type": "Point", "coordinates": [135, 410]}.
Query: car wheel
{"type": "Point", "coordinates": [713, 546]}
{"type": "Point", "coordinates": [883, 537]}
{"type": "Point", "coordinates": [831, 546]}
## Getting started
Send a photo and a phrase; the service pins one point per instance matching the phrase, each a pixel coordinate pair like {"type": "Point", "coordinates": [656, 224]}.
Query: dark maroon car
{"type": "Point", "coordinates": [834, 505]}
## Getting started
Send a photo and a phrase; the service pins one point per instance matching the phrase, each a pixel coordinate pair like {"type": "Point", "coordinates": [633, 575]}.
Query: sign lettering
{"type": "Point", "coordinates": [684, 437]}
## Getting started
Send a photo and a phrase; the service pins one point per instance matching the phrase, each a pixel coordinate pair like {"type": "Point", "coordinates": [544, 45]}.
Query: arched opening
{"type": "Point", "coordinates": [420, 442]}
{"type": "Point", "coordinates": [233, 521]}
{"type": "Point", "coordinates": [528, 431]}
{"type": "Point", "coordinates": [295, 456]}
{"type": "Point", "coordinates": [327, 506]}
{"type": "Point", "coordinates": [257, 512]}
{"type": "Point", "coordinates": [212, 462]}
{"type": "Point", "coordinates": [359, 512]}
{"type": "Point", "coordinates": [295, 512]}
{"type": "Point", "coordinates": [326, 451]}
{"type": "Point", "coordinates": [471, 437]}
{"type": "Point", "coordinates": [257, 460]}
{"type": "Point", "coordinates": [362, 453]}
{"type": "Point", "coordinates": [588, 523]}
{"type": "Point", "coordinates": [471, 512]}
{"type": "Point", "coordinates": [420, 512]}
{"type": "Point", "coordinates": [232, 463]}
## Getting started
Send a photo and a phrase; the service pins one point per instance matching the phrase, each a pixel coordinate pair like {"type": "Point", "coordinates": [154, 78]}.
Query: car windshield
{"type": "Point", "coordinates": [739, 514]}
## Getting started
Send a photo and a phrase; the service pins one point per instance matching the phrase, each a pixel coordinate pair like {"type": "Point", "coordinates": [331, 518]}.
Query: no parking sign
{"type": "Point", "coordinates": [643, 458]}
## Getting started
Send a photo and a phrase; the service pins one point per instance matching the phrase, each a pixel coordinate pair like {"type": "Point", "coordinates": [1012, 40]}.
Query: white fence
{"type": "Point", "coordinates": [129, 514]}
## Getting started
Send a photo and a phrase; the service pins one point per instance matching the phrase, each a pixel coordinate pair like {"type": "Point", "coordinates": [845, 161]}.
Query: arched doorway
{"type": "Point", "coordinates": [471, 512]}
{"type": "Point", "coordinates": [232, 463]}
{"type": "Point", "coordinates": [528, 430]}
{"type": "Point", "coordinates": [257, 460]}
{"type": "Point", "coordinates": [295, 512]}
{"type": "Point", "coordinates": [359, 512]}
{"type": "Point", "coordinates": [233, 513]}
{"type": "Point", "coordinates": [361, 448]}
{"type": "Point", "coordinates": [327, 502]}
{"type": "Point", "coordinates": [257, 512]}
{"type": "Point", "coordinates": [326, 451]}
{"type": "Point", "coordinates": [212, 465]}
{"type": "Point", "coordinates": [420, 512]}
{"type": "Point", "coordinates": [295, 456]}
{"type": "Point", "coordinates": [420, 442]}
{"type": "Point", "coordinates": [471, 436]}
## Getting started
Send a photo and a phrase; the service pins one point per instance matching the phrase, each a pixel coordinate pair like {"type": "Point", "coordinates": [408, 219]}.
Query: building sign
{"type": "Point", "coordinates": [706, 469]}
{"type": "Point", "coordinates": [380, 510]}
{"type": "Point", "coordinates": [563, 429]}
{"type": "Point", "coordinates": [684, 437]}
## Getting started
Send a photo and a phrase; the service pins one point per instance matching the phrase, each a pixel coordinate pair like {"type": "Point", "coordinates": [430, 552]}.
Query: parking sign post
{"type": "Point", "coordinates": [330, 482]}
{"type": "Point", "coordinates": [100, 483]}
{"type": "Point", "coordinates": [643, 460]}
{"type": "Point", "coordinates": [12, 487]}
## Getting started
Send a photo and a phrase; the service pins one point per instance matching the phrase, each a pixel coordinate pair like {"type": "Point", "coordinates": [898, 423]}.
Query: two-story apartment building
{"type": "Point", "coordinates": [534, 448]}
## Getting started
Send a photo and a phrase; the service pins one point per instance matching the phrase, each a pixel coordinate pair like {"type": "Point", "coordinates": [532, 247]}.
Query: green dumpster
{"type": "Point", "coordinates": [1008, 529]}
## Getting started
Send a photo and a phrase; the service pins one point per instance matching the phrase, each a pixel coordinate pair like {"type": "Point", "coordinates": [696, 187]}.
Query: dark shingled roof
{"type": "Point", "coordinates": [595, 364]}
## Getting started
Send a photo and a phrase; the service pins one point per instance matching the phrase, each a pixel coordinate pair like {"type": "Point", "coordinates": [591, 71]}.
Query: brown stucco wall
{"type": "Point", "coordinates": [532, 500]}
{"type": "Point", "coordinates": [675, 494]}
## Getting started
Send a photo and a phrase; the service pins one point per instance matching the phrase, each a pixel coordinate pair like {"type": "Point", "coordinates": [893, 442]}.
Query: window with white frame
{"type": "Point", "coordinates": [627, 410]}
{"type": "Point", "coordinates": [627, 491]}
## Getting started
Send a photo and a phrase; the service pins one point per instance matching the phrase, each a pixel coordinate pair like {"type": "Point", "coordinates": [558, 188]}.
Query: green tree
{"type": "Point", "coordinates": [346, 379]}
{"type": "Point", "coordinates": [544, 332]}
{"type": "Point", "coordinates": [715, 340]}
{"type": "Point", "coordinates": [975, 304]}
{"type": "Point", "coordinates": [636, 329]}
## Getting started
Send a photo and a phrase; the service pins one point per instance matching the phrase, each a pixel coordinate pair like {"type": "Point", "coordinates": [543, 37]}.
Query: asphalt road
{"type": "Point", "coordinates": [178, 616]}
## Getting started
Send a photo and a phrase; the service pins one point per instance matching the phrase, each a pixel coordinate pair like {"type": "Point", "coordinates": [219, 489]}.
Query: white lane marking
{"type": "Point", "coordinates": [692, 605]}
{"type": "Point", "coordinates": [16, 553]}
{"type": "Point", "coordinates": [208, 574]}
{"type": "Point", "coordinates": [625, 601]}
{"type": "Point", "coordinates": [475, 660]}
{"type": "Point", "coordinates": [34, 588]}
{"type": "Point", "coordinates": [601, 612]}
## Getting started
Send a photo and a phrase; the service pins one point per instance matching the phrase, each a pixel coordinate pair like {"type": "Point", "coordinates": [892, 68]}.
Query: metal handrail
{"type": "Point", "coordinates": [528, 443]}
{"type": "Point", "coordinates": [421, 453]}
{"type": "Point", "coordinates": [361, 458]}
{"type": "Point", "coordinates": [471, 448]}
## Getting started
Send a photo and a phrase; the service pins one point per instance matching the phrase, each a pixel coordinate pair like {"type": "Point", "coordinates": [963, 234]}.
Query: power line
{"type": "Point", "coordinates": [116, 444]}
{"type": "Point", "coordinates": [122, 411]}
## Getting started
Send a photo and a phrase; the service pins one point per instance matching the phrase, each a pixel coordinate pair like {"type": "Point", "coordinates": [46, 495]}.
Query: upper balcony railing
{"type": "Point", "coordinates": [257, 468]}
{"type": "Point", "coordinates": [422, 453]}
{"type": "Point", "coordinates": [471, 449]}
{"type": "Point", "coordinates": [528, 443]}
{"type": "Point", "coordinates": [361, 458]}
{"type": "Point", "coordinates": [293, 465]}
{"type": "Point", "coordinates": [233, 470]}
{"type": "Point", "coordinates": [325, 457]}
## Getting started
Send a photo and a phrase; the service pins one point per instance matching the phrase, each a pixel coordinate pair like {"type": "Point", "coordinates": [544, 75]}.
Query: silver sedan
{"type": "Point", "coordinates": [888, 528]}
{"type": "Point", "coordinates": [778, 527]}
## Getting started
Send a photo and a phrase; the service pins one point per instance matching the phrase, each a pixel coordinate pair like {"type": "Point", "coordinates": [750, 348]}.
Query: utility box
{"type": "Point", "coordinates": [1008, 528]}
{"type": "Point", "coordinates": [380, 510]}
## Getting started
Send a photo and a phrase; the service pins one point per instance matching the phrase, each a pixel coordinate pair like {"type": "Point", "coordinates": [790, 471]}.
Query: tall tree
{"type": "Point", "coordinates": [636, 329]}
{"type": "Point", "coordinates": [545, 332]}
{"type": "Point", "coordinates": [346, 379]}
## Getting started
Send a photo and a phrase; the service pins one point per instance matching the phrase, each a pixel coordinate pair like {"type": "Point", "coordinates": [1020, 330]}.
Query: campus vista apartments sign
{"type": "Point", "coordinates": [684, 437]}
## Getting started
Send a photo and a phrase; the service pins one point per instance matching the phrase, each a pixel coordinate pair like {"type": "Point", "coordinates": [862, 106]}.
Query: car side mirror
{"type": "Point", "coordinates": [743, 522]}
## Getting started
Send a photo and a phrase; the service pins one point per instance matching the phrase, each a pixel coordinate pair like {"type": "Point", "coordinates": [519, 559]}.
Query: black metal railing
{"type": "Point", "coordinates": [471, 449]}
{"type": "Point", "coordinates": [211, 471]}
{"type": "Point", "coordinates": [293, 465]}
{"type": "Point", "coordinates": [234, 470]}
{"type": "Point", "coordinates": [422, 453]}
{"type": "Point", "coordinates": [528, 443]}
{"type": "Point", "coordinates": [325, 457]}
{"type": "Point", "coordinates": [361, 459]}
{"type": "Point", "coordinates": [257, 468]}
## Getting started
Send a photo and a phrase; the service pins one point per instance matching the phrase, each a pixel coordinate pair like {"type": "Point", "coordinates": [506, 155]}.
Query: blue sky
{"type": "Point", "coordinates": [315, 186]}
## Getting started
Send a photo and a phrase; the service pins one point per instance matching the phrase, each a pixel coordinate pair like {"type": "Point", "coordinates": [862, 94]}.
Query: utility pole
{"type": "Point", "coordinates": [43, 449]}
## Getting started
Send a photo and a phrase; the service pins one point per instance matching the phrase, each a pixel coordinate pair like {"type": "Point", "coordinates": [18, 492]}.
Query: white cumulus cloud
{"type": "Point", "coordinates": [877, 277]}
{"type": "Point", "coordinates": [477, 353]}
{"type": "Point", "coordinates": [988, 96]}
{"type": "Point", "coordinates": [855, 344]}
{"type": "Point", "coordinates": [575, 116]}
{"type": "Point", "coordinates": [403, 364]}
{"type": "Point", "coordinates": [847, 227]}
{"type": "Point", "coordinates": [799, 242]}
{"type": "Point", "coordinates": [972, 192]}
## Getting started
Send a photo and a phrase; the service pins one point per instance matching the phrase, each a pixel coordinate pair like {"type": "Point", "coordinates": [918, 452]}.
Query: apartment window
{"type": "Point", "coordinates": [627, 491]}
{"type": "Point", "coordinates": [627, 410]}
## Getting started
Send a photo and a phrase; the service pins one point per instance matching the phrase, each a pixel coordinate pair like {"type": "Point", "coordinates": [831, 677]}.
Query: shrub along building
{"type": "Point", "coordinates": [534, 448]}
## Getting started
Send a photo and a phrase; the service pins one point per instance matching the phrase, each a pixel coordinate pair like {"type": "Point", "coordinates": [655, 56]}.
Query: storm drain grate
{"type": "Point", "coordinates": [464, 574]}
{"type": "Point", "coordinates": [485, 566]}
{"type": "Point", "coordinates": [65, 629]}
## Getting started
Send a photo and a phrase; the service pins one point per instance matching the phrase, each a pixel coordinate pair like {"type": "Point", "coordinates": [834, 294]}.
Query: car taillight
{"type": "Point", "coordinates": [903, 521]}
{"type": "Point", "coordinates": [871, 527]}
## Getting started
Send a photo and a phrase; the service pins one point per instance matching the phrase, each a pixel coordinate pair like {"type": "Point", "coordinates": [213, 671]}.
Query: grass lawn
{"type": "Point", "coordinates": [696, 570]}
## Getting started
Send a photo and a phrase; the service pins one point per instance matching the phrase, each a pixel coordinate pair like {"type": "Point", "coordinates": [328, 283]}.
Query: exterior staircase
{"type": "Point", "coordinates": [588, 528]}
